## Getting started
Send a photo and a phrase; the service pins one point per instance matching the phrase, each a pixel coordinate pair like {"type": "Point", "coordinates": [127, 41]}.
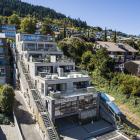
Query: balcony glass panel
{"type": "Point", "coordinates": [8, 27]}
{"type": "Point", "coordinates": [30, 47]}
{"type": "Point", "coordinates": [37, 38]}
{"type": "Point", "coordinates": [10, 34]}
{"type": "Point", "coordinates": [41, 47]}
{"type": "Point", "coordinates": [80, 85]}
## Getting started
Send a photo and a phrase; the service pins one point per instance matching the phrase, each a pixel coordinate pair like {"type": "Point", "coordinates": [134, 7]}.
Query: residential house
{"type": "Point", "coordinates": [120, 52]}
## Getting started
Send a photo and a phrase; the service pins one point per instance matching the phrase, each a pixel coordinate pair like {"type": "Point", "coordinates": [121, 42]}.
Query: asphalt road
{"type": "Point", "coordinates": [24, 117]}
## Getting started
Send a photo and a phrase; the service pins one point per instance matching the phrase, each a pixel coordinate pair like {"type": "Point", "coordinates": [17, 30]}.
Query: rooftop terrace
{"type": "Point", "coordinates": [68, 75]}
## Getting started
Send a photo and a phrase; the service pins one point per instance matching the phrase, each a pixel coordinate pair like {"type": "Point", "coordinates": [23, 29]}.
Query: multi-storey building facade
{"type": "Point", "coordinates": [9, 31]}
{"type": "Point", "coordinates": [64, 91]}
{"type": "Point", "coordinates": [5, 62]}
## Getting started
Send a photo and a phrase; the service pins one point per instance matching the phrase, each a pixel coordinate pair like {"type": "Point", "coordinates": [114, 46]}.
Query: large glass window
{"type": "Point", "coordinates": [40, 46]}
{"type": "Point", "coordinates": [46, 47]}
{"type": "Point", "coordinates": [80, 85]}
{"type": "Point", "coordinates": [30, 46]}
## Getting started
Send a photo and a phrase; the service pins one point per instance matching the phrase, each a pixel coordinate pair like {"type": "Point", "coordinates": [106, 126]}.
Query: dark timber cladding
{"type": "Point", "coordinates": [52, 134]}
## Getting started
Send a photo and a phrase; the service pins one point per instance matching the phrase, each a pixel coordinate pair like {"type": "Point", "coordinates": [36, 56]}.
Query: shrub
{"type": "Point", "coordinates": [7, 99]}
{"type": "Point", "coordinates": [127, 84]}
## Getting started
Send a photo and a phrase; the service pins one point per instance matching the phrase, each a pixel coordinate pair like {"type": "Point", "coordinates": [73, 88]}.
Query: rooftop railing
{"type": "Point", "coordinates": [48, 60]}
{"type": "Point", "coordinates": [55, 76]}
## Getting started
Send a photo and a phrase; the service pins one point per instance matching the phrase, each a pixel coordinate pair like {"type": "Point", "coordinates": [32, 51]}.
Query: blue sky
{"type": "Point", "coordinates": [120, 15]}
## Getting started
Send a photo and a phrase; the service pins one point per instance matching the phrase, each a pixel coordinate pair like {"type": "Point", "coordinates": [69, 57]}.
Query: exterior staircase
{"type": "Point", "coordinates": [48, 126]}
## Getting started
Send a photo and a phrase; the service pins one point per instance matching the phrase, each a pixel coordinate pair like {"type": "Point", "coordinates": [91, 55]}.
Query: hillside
{"type": "Point", "coordinates": [7, 7]}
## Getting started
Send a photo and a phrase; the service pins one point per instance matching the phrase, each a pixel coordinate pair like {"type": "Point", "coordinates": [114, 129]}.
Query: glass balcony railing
{"type": "Point", "coordinates": [37, 38]}
{"type": "Point", "coordinates": [8, 27]}
{"type": "Point", "coordinates": [63, 76]}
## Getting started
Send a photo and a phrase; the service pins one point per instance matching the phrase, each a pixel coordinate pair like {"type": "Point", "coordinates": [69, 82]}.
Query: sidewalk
{"type": "Point", "coordinates": [7, 132]}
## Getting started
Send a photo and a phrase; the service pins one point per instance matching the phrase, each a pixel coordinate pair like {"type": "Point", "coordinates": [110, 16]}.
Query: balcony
{"type": "Point", "coordinates": [64, 59]}
{"type": "Point", "coordinates": [73, 93]}
{"type": "Point", "coordinates": [34, 48]}
{"type": "Point", "coordinates": [68, 75]}
{"type": "Point", "coordinates": [8, 28]}
{"type": "Point", "coordinates": [36, 38]}
{"type": "Point", "coordinates": [45, 60]}
{"type": "Point", "coordinates": [48, 60]}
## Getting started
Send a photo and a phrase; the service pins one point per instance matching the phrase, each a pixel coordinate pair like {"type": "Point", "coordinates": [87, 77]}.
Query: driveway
{"type": "Point", "coordinates": [24, 117]}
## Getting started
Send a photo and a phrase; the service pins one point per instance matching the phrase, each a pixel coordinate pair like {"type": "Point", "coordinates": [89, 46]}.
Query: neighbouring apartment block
{"type": "Point", "coordinates": [64, 90]}
{"type": "Point", "coordinates": [120, 52]}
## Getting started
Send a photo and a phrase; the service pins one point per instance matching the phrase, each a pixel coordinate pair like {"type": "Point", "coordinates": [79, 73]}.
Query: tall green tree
{"type": "Point", "coordinates": [104, 64]}
{"type": "Point", "coordinates": [1, 20]}
{"type": "Point", "coordinates": [105, 34]}
{"type": "Point", "coordinates": [86, 61]}
{"type": "Point", "coordinates": [74, 47]}
{"type": "Point", "coordinates": [14, 19]}
{"type": "Point", "coordinates": [28, 25]}
{"type": "Point", "coordinates": [46, 29]}
{"type": "Point", "coordinates": [115, 37]}
{"type": "Point", "coordinates": [7, 99]}
{"type": "Point", "coordinates": [88, 33]}
{"type": "Point", "coordinates": [65, 32]}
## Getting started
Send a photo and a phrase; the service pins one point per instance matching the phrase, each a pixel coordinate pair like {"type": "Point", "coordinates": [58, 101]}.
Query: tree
{"type": "Point", "coordinates": [87, 62]}
{"type": "Point", "coordinates": [28, 25]}
{"type": "Point", "coordinates": [115, 37]}
{"type": "Point", "coordinates": [104, 64]}
{"type": "Point", "coordinates": [74, 47]}
{"type": "Point", "coordinates": [46, 29]}
{"type": "Point", "coordinates": [88, 33]}
{"type": "Point", "coordinates": [64, 31]}
{"type": "Point", "coordinates": [105, 35]}
{"type": "Point", "coordinates": [3, 20]}
{"type": "Point", "coordinates": [7, 99]}
{"type": "Point", "coordinates": [14, 19]}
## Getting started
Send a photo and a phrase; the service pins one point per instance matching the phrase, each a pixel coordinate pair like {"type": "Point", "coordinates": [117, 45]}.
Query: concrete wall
{"type": "Point", "coordinates": [20, 137]}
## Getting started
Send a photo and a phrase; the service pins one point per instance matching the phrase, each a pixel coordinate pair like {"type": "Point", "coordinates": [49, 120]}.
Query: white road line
{"type": "Point", "coordinates": [123, 135]}
{"type": "Point", "coordinates": [114, 137]}
{"type": "Point", "coordinates": [100, 130]}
